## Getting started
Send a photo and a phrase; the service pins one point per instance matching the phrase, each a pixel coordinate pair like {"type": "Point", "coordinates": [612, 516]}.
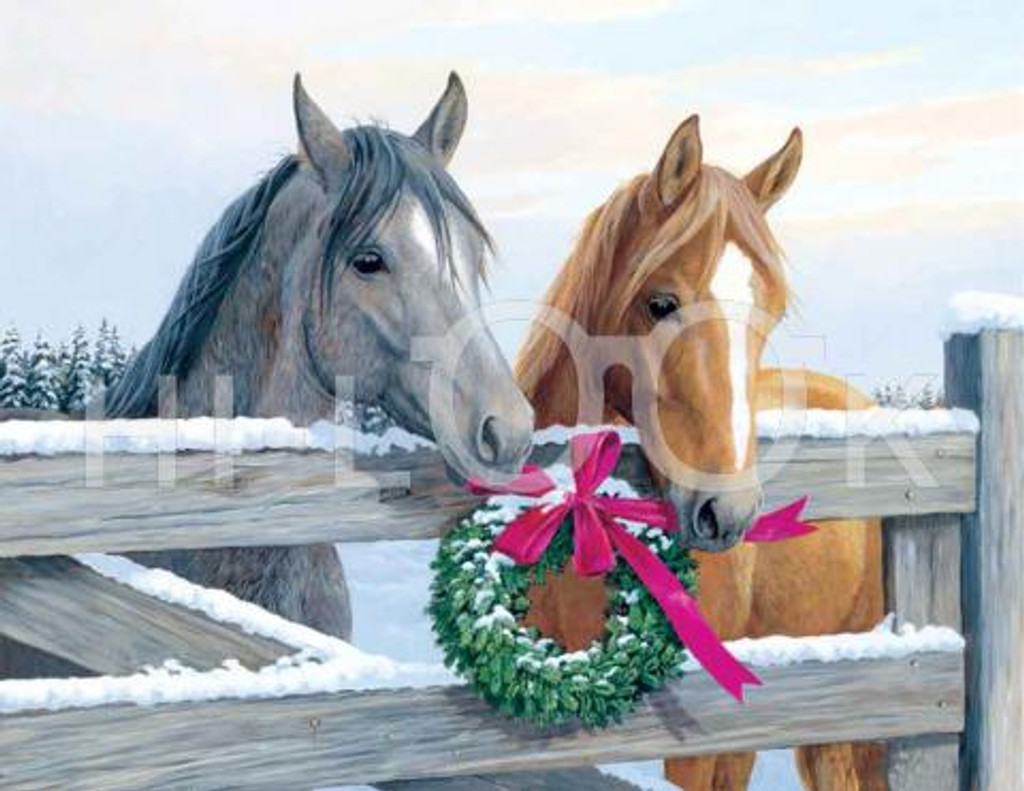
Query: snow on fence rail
{"type": "Point", "coordinates": [936, 484]}
{"type": "Point", "coordinates": [274, 489]}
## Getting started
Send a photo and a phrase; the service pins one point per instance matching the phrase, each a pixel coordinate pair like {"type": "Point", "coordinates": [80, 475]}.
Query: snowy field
{"type": "Point", "coordinates": [390, 584]}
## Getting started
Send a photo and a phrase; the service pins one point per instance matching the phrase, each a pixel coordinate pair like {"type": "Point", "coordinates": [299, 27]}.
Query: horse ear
{"type": "Point", "coordinates": [441, 132]}
{"type": "Point", "coordinates": [769, 181]}
{"type": "Point", "coordinates": [680, 163]}
{"type": "Point", "coordinates": [320, 140]}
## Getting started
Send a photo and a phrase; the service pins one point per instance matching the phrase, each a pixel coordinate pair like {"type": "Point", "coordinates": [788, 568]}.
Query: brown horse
{"type": "Point", "coordinates": [680, 276]}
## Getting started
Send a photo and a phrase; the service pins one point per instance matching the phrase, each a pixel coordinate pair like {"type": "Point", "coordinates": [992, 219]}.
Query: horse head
{"type": "Point", "coordinates": [706, 284]}
{"type": "Point", "coordinates": [677, 282]}
{"type": "Point", "coordinates": [404, 255]}
{"type": "Point", "coordinates": [351, 272]}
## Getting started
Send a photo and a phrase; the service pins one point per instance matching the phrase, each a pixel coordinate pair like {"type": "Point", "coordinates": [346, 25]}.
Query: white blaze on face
{"type": "Point", "coordinates": [461, 251]}
{"type": "Point", "coordinates": [732, 287]}
{"type": "Point", "coordinates": [421, 231]}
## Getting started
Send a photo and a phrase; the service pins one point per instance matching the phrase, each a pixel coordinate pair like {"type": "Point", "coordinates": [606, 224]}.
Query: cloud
{"type": "Point", "coordinates": [935, 219]}
{"type": "Point", "coordinates": [547, 11]}
{"type": "Point", "coordinates": [793, 67]}
{"type": "Point", "coordinates": [897, 141]}
{"type": "Point", "coordinates": [541, 140]}
{"type": "Point", "coordinates": [223, 85]}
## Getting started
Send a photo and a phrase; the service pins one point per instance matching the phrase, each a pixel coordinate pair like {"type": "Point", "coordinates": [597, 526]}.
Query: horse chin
{"type": "Point", "coordinates": [407, 413]}
{"type": "Point", "coordinates": [692, 541]}
{"type": "Point", "coordinates": [460, 466]}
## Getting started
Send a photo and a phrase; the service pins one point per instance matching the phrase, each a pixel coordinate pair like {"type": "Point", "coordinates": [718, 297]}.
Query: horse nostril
{"type": "Point", "coordinates": [489, 444]}
{"type": "Point", "coordinates": [705, 521]}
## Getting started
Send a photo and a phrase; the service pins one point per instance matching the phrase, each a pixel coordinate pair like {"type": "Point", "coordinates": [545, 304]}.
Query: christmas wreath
{"type": "Point", "coordinates": [532, 527]}
{"type": "Point", "coordinates": [478, 604]}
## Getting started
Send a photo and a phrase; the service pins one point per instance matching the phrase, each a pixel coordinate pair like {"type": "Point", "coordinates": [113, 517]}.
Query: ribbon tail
{"type": "Point", "coordinates": [683, 613]}
{"type": "Point", "coordinates": [526, 537]}
{"type": "Point", "coordinates": [780, 524]}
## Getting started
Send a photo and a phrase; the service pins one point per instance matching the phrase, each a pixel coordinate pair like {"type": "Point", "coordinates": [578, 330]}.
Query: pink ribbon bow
{"type": "Point", "coordinates": [598, 536]}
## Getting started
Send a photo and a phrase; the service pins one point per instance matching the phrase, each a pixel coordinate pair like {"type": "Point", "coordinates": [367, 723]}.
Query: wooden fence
{"type": "Point", "coordinates": [954, 524]}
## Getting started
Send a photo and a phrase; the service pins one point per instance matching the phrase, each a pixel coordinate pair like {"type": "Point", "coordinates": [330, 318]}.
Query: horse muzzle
{"type": "Point", "coordinates": [714, 521]}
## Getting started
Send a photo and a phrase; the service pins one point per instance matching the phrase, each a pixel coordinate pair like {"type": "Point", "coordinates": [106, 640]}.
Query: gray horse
{"type": "Point", "coordinates": [331, 266]}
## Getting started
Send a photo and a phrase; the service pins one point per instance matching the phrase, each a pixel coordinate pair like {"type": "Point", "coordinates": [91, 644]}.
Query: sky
{"type": "Point", "coordinates": [127, 127]}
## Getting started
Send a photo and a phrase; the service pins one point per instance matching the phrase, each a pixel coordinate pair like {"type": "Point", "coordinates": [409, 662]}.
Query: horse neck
{"type": "Point", "coordinates": [238, 350]}
{"type": "Point", "coordinates": [257, 338]}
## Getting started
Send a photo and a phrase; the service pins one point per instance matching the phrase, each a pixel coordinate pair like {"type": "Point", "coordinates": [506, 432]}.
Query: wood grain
{"type": "Point", "coordinates": [924, 763]}
{"type": "Point", "coordinates": [985, 373]}
{"type": "Point", "coordinates": [922, 586]}
{"type": "Point", "coordinates": [64, 608]}
{"type": "Point", "coordinates": [922, 569]}
{"type": "Point", "coordinates": [278, 498]}
{"type": "Point", "coordinates": [367, 737]}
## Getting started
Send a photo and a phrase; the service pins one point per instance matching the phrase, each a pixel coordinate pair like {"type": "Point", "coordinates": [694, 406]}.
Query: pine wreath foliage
{"type": "Point", "coordinates": [478, 603]}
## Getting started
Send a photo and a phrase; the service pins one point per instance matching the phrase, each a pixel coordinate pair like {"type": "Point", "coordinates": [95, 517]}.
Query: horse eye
{"type": "Point", "coordinates": [368, 262]}
{"type": "Point", "coordinates": [661, 306]}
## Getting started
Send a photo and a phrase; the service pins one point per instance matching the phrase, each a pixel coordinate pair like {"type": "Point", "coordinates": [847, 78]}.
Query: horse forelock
{"type": "Point", "coordinates": [578, 288]}
{"type": "Point", "coordinates": [384, 165]}
{"type": "Point", "coordinates": [602, 276]}
{"type": "Point", "coordinates": [717, 209]}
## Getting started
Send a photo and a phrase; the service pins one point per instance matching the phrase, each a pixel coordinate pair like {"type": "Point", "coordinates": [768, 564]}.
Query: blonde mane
{"type": "Point", "coordinates": [626, 240]}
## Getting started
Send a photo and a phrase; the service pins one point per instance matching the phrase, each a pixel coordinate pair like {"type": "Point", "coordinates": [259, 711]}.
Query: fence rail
{"type": "Point", "coordinates": [279, 498]}
{"type": "Point", "coordinates": [367, 737]}
{"type": "Point", "coordinates": [951, 504]}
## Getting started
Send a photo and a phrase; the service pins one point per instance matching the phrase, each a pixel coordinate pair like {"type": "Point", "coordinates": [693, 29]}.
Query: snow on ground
{"type": "Point", "coordinates": [970, 312]}
{"type": "Point", "coordinates": [240, 434]}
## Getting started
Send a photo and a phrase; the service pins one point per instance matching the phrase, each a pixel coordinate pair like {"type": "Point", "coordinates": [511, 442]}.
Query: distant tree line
{"type": "Point", "coordinates": [896, 396]}
{"type": "Point", "coordinates": [39, 375]}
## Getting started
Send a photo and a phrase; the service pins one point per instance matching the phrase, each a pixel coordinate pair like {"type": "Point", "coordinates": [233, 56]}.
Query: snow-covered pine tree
{"type": "Point", "coordinates": [883, 395]}
{"type": "Point", "coordinates": [101, 367]}
{"type": "Point", "coordinates": [117, 355]}
{"type": "Point", "coordinates": [40, 377]}
{"type": "Point", "coordinates": [72, 382]}
{"type": "Point", "coordinates": [900, 399]}
{"type": "Point", "coordinates": [12, 381]}
{"type": "Point", "coordinates": [928, 398]}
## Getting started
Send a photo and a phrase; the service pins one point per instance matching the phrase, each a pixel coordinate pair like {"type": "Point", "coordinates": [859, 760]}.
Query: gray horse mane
{"type": "Point", "coordinates": [383, 163]}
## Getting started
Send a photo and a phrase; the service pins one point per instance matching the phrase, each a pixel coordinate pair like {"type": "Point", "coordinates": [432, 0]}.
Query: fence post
{"type": "Point", "coordinates": [922, 586]}
{"type": "Point", "coordinates": [985, 372]}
